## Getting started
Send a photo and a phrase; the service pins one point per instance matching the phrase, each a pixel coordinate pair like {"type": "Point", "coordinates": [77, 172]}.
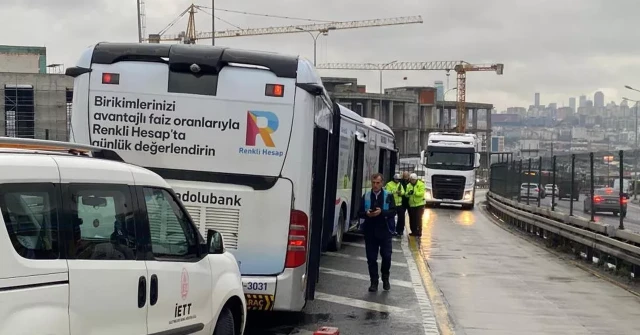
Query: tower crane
{"type": "Point", "coordinates": [460, 67]}
{"type": "Point", "coordinates": [190, 36]}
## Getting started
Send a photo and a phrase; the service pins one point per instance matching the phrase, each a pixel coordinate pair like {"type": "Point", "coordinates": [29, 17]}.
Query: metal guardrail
{"type": "Point", "coordinates": [621, 245]}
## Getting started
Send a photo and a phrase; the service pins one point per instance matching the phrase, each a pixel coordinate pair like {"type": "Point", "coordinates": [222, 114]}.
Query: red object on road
{"type": "Point", "coordinates": [327, 331]}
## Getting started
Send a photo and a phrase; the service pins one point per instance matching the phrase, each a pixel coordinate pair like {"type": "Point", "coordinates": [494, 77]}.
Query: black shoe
{"type": "Point", "coordinates": [386, 285]}
{"type": "Point", "coordinates": [373, 287]}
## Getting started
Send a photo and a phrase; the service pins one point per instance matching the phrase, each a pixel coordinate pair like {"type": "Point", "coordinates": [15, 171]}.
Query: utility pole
{"type": "Point", "coordinates": [140, 37]}
{"type": "Point", "coordinates": [381, 91]}
{"type": "Point", "coordinates": [213, 22]}
{"type": "Point", "coordinates": [323, 32]}
{"type": "Point", "coordinates": [635, 158]}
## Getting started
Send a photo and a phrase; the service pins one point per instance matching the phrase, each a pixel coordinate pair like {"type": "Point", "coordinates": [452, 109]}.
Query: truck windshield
{"type": "Point", "coordinates": [450, 160]}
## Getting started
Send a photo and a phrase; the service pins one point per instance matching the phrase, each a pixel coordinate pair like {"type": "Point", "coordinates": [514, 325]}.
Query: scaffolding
{"type": "Point", "coordinates": [35, 105]}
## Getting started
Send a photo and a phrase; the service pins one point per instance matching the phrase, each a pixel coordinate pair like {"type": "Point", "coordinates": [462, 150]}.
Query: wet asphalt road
{"type": "Point", "coordinates": [495, 282]}
{"type": "Point", "coordinates": [342, 299]}
{"type": "Point", "coordinates": [484, 279]}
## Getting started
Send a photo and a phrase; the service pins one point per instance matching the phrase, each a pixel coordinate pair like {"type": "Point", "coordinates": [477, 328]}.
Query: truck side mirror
{"type": "Point", "coordinates": [423, 160]}
{"type": "Point", "coordinates": [477, 160]}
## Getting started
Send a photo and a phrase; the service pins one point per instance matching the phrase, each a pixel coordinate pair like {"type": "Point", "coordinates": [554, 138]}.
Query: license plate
{"type": "Point", "coordinates": [259, 302]}
{"type": "Point", "coordinates": [447, 199]}
{"type": "Point", "coordinates": [611, 201]}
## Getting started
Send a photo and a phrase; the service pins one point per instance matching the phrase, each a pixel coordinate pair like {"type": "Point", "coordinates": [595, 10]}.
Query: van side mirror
{"type": "Point", "coordinates": [215, 242]}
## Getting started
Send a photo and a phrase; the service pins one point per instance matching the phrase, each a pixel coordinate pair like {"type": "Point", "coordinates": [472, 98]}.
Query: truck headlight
{"type": "Point", "coordinates": [468, 195]}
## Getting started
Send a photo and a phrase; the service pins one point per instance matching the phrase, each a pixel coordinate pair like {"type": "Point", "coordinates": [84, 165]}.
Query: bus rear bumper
{"type": "Point", "coordinates": [284, 292]}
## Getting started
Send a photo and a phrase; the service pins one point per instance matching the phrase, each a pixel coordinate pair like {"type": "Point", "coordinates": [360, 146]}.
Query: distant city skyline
{"type": "Point", "coordinates": [597, 99]}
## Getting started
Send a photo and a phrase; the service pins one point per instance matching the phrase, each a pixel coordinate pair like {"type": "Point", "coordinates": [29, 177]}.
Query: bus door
{"type": "Point", "coordinates": [332, 178]}
{"type": "Point", "coordinates": [357, 176]}
{"type": "Point", "coordinates": [322, 192]}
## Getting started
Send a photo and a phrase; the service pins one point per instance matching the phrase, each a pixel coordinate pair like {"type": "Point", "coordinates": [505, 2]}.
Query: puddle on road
{"type": "Point", "coordinates": [561, 279]}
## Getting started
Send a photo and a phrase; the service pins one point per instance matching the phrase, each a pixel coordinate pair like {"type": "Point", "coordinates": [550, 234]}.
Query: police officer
{"type": "Point", "coordinates": [415, 192]}
{"type": "Point", "coordinates": [395, 187]}
{"type": "Point", "coordinates": [376, 208]}
{"type": "Point", "coordinates": [402, 210]}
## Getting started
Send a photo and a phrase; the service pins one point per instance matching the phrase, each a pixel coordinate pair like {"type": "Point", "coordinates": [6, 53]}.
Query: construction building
{"type": "Point", "coordinates": [33, 103]}
{"type": "Point", "coordinates": [411, 112]}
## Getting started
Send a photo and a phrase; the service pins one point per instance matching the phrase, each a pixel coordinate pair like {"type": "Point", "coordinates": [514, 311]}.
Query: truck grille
{"type": "Point", "coordinates": [448, 187]}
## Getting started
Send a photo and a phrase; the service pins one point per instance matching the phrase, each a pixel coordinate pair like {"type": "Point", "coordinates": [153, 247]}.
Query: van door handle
{"type": "Point", "coordinates": [142, 291]}
{"type": "Point", "coordinates": [153, 296]}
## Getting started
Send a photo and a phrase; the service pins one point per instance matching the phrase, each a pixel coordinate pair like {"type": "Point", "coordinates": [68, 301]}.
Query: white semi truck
{"type": "Point", "coordinates": [451, 161]}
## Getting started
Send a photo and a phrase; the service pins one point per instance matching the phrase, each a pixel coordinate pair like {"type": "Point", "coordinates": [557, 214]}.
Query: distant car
{"type": "Point", "coordinates": [529, 190]}
{"type": "Point", "coordinates": [566, 192]}
{"type": "Point", "coordinates": [549, 189]}
{"type": "Point", "coordinates": [606, 200]}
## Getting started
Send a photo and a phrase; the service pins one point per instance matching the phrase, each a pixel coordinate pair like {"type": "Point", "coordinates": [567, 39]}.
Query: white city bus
{"type": "Point", "coordinates": [238, 135]}
{"type": "Point", "coordinates": [366, 146]}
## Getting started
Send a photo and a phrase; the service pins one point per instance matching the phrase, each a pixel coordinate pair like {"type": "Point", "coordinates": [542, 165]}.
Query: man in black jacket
{"type": "Point", "coordinates": [377, 206]}
{"type": "Point", "coordinates": [402, 209]}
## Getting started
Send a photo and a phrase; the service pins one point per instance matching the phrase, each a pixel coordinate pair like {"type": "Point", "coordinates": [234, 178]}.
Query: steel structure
{"type": "Point", "coordinates": [460, 67]}
{"type": "Point", "coordinates": [190, 36]}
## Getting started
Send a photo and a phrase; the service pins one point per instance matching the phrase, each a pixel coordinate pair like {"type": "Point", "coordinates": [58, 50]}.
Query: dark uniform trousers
{"type": "Point", "coordinates": [378, 237]}
{"type": "Point", "coordinates": [402, 210]}
{"type": "Point", "coordinates": [375, 243]}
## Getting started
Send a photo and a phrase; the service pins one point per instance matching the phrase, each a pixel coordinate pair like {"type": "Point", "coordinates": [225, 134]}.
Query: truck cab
{"type": "Point", "coordinates": [451, 161]}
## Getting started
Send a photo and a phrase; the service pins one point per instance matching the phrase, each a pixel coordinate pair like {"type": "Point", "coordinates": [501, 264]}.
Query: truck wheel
{"type": "Point", "coordinates": [225, 324]}
{"type": "Point", "coordinates": [336, 241]}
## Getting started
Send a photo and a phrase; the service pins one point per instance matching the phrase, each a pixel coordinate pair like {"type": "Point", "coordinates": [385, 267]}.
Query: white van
{"type": "Point", "coordinates": [92, 245]}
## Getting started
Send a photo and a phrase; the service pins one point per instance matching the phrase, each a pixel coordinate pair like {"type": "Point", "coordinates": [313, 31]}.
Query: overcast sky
{"type": "Point", "coordinates": [560, 48]}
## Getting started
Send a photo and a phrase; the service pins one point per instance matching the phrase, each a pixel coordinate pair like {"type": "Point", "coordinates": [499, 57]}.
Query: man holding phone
{"type": "Point", "coordinates": [377, 206]}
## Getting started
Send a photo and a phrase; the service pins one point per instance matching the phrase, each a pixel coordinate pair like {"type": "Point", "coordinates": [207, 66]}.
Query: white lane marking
{"type": "Point", "coordinates": [394, 282]}
{"type": "Point", "coordinates": [428, 316]}
{"type": "Point", "coordinates": [359, 303]}
{"type": "Point", "coordinates": [361, 245]}
{"type": "Point", "coordinates": [335, 254]}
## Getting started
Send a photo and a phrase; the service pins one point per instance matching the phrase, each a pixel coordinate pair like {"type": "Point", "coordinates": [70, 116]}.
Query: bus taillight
{"type": "Point", "coordinates": [274, 90]}
{"type": "Point", "coordinates": [297, 243]}
{"type": "Point", "coordinates": [111, 78]}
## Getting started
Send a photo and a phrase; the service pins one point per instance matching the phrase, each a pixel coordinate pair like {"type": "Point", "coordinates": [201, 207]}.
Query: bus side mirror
{"type": "Point", "coordinates": [477, 161]}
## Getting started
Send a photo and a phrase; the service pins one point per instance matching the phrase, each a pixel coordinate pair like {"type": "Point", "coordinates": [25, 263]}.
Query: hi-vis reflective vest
{"type": "Point", "coordinates": [393, 187]}
{"type": "Point", "coordinates": [367, 201]}
{"type": "Point", "coordinates": [417, 198]}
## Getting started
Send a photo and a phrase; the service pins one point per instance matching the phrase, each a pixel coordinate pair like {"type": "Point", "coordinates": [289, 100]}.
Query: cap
{"type": "Point", "coordinates": [396, 176]}
{"type": "Point", "coordinates": [413, 176]}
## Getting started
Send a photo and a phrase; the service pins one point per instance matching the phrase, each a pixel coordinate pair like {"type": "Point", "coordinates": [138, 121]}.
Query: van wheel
{"type": "Point", "coordinates": [336, 241]}
{"type": "Point", "coordinates": [225, 325]}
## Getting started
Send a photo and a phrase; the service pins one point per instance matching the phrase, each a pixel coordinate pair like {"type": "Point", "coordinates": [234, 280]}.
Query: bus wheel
{"type": "Point", "coordinates": [336, 241]}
